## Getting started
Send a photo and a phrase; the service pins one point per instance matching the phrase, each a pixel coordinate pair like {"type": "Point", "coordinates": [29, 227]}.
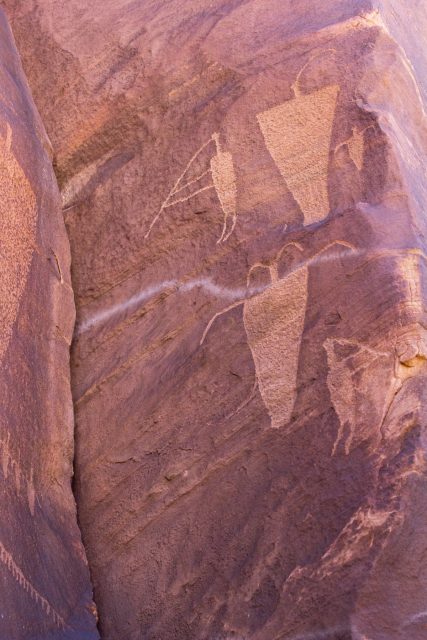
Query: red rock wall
{"type": "Point", "coordinates": [44, 579]}
{"type": "Point", "coordinates": [244, 190]}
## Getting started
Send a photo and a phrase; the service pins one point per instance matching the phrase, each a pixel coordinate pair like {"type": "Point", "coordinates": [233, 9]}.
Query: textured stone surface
{"type": "Point", "coordinates": [44, 579]}
{"type": "Point", "coordinates": [244, 189]}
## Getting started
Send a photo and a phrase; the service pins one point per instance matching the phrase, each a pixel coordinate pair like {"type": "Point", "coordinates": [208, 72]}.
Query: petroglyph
{"type": "Point", "coordinates": [179, 186]}
{"type": "Point", "coordinates": [274, 322]}
{"type": "Point", "coordinates": [8, 561]}
{"type": "Point", "coordinates": [410, 273]}
{"type": "Point", "coordinates": [223, 179]}
{"type": "Point", "coordinates": [401, 355]}
{"type": "Point", "coordinates": [356, 146]}
{"type": "Point", "coordinates": [297, 134]}
{"type": "Point", "coordinates": [351, 367]}
{"type": "Point", "coordinates": [10, 465]}
{"type": "Point", "coordinates": [274, 318]}
{"type": "Point", "coordinates": [18, 215]}
{"type": "Point", "coordinates": [341, 386]}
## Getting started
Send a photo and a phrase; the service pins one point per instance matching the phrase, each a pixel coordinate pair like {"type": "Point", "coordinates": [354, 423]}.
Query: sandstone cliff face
{"type": "Point", "coordinates": [44, 579]}
{"type": "Point", "coordinates": [244, 190]}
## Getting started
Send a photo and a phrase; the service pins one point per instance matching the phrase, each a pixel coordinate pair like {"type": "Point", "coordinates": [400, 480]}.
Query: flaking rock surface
{"type": "Point", "coordinates": [44, 579]}
{"type": "Point", "coordinates": [244, 190]}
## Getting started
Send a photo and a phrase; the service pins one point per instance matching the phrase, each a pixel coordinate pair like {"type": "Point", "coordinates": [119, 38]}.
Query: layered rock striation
{"type": "Point", "coordinates": [244, 190]}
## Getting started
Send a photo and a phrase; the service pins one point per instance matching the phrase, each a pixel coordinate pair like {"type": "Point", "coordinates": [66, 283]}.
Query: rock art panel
{"type": "Point", "coordinates": [199, 519]}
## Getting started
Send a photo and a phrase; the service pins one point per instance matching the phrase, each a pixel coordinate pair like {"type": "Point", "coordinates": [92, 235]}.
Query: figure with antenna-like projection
{"type": "Point", "coordinates": [273, 315]}
{"type": "Point", "coordinates": [221, 176]}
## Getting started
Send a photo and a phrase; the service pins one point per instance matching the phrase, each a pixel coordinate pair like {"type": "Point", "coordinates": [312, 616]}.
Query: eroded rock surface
{"type": "Point", "coordinates": [244, 190]}
{"type": "Point", "coordinates": [44, 579]}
